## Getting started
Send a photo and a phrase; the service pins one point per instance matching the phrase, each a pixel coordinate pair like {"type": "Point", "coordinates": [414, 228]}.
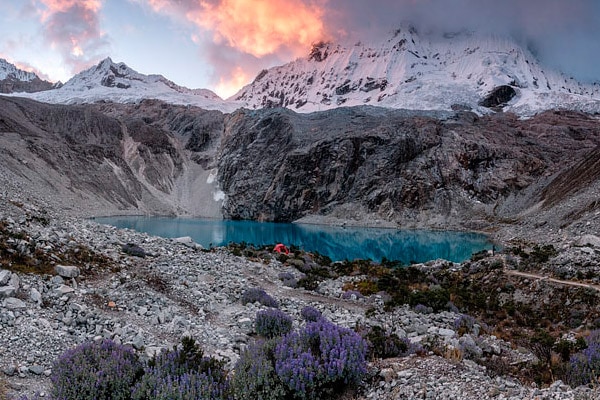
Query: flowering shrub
{"type": "Point", "coordinates": [584, 366]}
{"type": "Point", "coordinates": [288, 279]}
{"type": "Point", "coordinates": [193, 385]}
{"type": "Point", "coordinates": [422, 309]}
{"type": "Point", "coordinates": [320, 359]}
{"type": "Point", "coordinates": [272, 323]}
{"type": "Point", "coordinates": [181, 374]}
{"type": "Point", "coordinates": [95, 371]}
{"type": "Point", "coordinates": [255, 376]}
{"type": "Point", "coordinates": [254, 295]}
{"type": "Point", "coordinates": [311, 314]}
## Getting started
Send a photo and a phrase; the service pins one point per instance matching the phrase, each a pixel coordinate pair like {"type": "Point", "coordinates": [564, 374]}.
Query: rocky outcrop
{"type": "Point", "coordinates": [499, 97]}
{"type": "Point", "coordinates": [14, 85]}
{"type": "Point", "coordinates": [406, 167]}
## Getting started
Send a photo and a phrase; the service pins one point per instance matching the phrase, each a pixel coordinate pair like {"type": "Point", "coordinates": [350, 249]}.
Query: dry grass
{"type": "Point", "coordinates": [453, 354]}
{"type": "Point", "coordinates": [3, 389]}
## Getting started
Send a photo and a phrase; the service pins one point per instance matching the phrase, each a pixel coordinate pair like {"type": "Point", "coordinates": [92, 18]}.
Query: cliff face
{"type": "Point", "coordinates": [412, 168]}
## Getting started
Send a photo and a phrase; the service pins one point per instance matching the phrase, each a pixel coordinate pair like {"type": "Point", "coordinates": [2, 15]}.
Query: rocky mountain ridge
{"type": "Point", "coordinates": [16, 80]}
{"type": "Point", "coordinates": [117, 82]}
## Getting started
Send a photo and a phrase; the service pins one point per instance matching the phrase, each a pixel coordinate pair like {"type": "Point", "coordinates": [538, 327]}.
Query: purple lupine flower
{"type": "Point", "coordinates": [272, 322]}
{"type": "Point", "coordinates": [253, 295]}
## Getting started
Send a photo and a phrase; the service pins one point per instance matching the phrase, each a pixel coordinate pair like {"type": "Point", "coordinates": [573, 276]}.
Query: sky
{"type": "Point", "coordinates": [223, 44]}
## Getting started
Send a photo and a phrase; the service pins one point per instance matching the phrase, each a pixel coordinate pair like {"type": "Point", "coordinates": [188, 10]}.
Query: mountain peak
{"type": "Point", "coordinates": [413, 70]}
{"type": "Point", "coordinates": [8, 69]}
{"type": "Point", "coordinates": [14, 79]}
{"type": "Point", "coordinates": [117, 82]}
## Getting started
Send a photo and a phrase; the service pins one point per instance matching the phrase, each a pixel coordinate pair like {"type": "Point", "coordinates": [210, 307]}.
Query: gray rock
{"type": "Point", "coordinates": [138, 342]}
{"type": "Point", "coordinates": [7, 291]}
{"type": "Point", "coordinates": [187, 241]}
{"type": "Point", "coordinates": [57, 280]}
{"type": "Point", "coordinates": [67, 271]}
{"type": "Point", "coordinates": [35, 295]}
{"type": "Point", "coordinates": [4, 276]}
{"type": "Point", "coordinates": [15, 281]}
{"type": "Point", "coordinates": [446, 332]}
{"type": "Point", "coordinates": [588, 240]}
{"type": "Point", "coordinates": [36, 369]}
{"type": "Point", "coordinates": [9, 370]}
{"type": "Point", "coordinates": [12, 303]}
{"type": "Point", "coordinates": [63, 289]}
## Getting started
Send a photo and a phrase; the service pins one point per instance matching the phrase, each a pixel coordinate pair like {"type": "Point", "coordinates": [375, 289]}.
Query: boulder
{"type": "Point", "coordinates": [7, 291]}
{"type": "Point", "coordinates": [4, 276]}
{"type": "Point", "coordinates": [13, 303]}
{"type": "Point", "coordinates": [67, 271]}
{"type": "Point", "coordinates": [588, 240]}
{"type": "Point", "coordinates": [63, 289]}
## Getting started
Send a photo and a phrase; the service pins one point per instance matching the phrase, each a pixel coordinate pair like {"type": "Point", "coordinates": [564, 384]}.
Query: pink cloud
{"type": "Point", "coordinates": [72, 27]}
{"type": "Point", "coordinates": [247, 35]}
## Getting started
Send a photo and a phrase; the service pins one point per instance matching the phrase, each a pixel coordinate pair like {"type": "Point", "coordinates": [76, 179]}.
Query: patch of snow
{"type": "Point", "coordinates": [219, 195]}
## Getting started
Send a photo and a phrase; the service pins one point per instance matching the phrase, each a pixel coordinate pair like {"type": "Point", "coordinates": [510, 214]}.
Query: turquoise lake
{"type": "Point", "coordinates": [338, 243]}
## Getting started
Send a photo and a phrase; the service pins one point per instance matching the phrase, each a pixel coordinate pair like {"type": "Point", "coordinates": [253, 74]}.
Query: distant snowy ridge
{"type": "Point", "coordinates": [8, 70]}
{"type": "Point", "coordinates": [407, 70]}
{"type": "Point", "coordinates": [439, 72]}
{"type": "Point", "coordinates": [14, 79]}
{"type": "Point", "coordinates": [116, 82]}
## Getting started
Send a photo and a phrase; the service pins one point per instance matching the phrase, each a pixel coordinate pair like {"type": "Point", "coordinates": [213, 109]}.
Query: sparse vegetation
{"type": "Point", "coordinates": [253, 295]}
{"type": "Point", "coordinates": [21, 253]}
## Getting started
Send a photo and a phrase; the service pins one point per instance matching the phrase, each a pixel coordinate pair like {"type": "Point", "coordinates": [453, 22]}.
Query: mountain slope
{"type": "Point", "coordinates": [13, 79]}
{"type": "Point", "coordinates": [116, 82]}
{"type": "Point", "coordinates": [111, 158]}
{"type": "Point", "coordinates": [429, 72]}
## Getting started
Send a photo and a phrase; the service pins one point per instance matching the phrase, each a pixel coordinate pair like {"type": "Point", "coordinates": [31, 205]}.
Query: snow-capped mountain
{"type": "Point", "coordinates": [419, 72]}
{"type": "Point", "coordinates": [13, 79]}
{"type": "Point", "coordinates": [9, 70]}
{"type": "Point", "coordinates": [407, 70]}
{"type": "Point", "coordinates": [109, 81]}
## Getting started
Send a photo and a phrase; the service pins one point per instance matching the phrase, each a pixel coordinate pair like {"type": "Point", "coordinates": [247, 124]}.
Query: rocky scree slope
{"type": "Point", "coordinates": [175, 289]}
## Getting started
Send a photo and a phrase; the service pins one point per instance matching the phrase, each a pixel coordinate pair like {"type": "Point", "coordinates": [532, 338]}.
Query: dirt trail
{"type": "Point", "coordinates": [546, 278]}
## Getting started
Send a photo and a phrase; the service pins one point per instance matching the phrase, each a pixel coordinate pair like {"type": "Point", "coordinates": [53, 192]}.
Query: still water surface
{"type": "Point", "coordinates": [338, 243]}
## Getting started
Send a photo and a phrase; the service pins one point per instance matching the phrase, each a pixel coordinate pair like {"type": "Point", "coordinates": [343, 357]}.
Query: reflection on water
{"type": "Point", "coordinates": [335, 242]}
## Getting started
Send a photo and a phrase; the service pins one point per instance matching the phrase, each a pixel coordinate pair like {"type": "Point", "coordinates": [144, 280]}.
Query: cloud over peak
{"type": "Point", "coordinates": [73, 28]}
